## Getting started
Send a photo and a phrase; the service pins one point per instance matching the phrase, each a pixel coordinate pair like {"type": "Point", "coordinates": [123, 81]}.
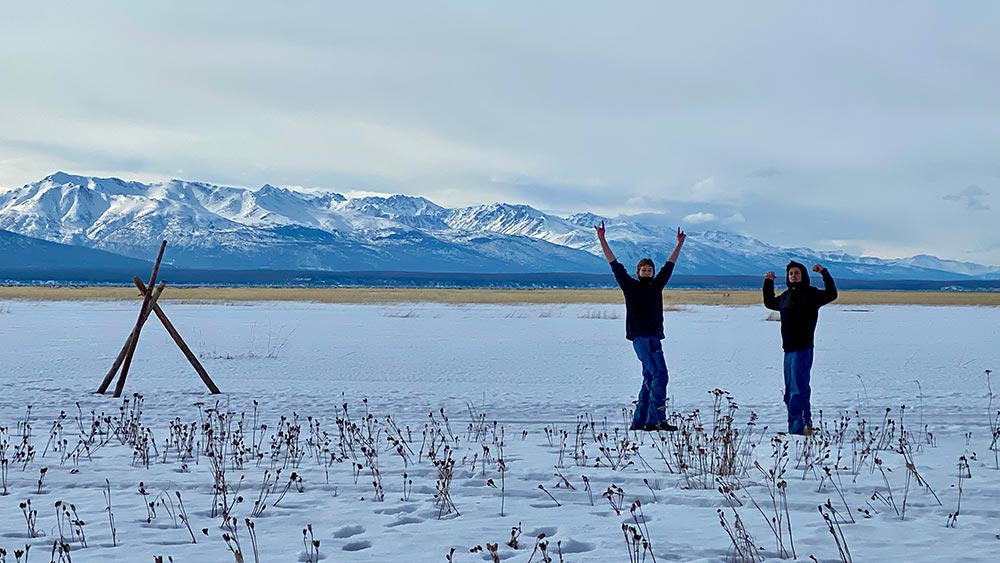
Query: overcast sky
{"type": "Point", "coordinates": [868, 127]}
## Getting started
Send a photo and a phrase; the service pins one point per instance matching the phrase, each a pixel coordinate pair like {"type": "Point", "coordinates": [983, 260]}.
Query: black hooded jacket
{"type": "Point", "coordinates": [643, 301]}
{"type": "Point", "coordinates": [799, 307]}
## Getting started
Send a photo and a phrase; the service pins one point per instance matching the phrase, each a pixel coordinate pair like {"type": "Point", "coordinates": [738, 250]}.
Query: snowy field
{"type": "Point", "coordinates": [413, 430]}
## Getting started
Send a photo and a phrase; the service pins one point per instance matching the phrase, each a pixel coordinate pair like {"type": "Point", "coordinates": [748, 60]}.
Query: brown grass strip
{"type": "Point", "coordinates": [489, 296]}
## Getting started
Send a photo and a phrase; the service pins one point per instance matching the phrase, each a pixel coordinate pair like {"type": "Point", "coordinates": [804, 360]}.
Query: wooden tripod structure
{"type": "Point", "coordinates": [149, 298]}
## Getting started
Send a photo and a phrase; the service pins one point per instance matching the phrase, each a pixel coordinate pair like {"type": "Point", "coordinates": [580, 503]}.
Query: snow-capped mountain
{"type": "Point", "coordinates": [935, 263]}
{"type": "Point", "coordinates": [219, 227]}
{"type": "Point", "coordinates": [414, 212]}
{"type": "Point", "coordinates": [508, 219]}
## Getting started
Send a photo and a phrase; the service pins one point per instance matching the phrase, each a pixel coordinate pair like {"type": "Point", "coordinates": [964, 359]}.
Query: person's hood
{"type": "Point", "coordinates": [805, 275]}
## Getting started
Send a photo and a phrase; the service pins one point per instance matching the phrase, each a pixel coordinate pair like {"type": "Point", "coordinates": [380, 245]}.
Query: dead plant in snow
{"type": "Point", "coordinates": [833, 525]}
{"type": "Point", "coordinates": [744, 550]}
{"type": "Point", "coordinates": [446, 472]}
{"type": "Point", "coordinates": [963, 473]}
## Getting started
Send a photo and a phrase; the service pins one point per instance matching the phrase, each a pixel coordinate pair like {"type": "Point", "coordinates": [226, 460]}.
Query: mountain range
{"type": "Point", "coordinates": [231, 228]}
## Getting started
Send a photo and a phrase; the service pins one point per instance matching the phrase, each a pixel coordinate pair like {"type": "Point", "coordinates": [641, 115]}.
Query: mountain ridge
{"type": "Point", "coordinates": [220, 227]}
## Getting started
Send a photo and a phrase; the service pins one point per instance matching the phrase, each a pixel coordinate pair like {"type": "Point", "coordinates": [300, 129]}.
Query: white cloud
{"type": "Point", "coordinates": [352, 194]}
{"type": "Point", "coordinates": [709, 190]}
{"type": "Point", "coordinates": [864, 247]}
{"type": "Point", "coordinates": [701, 217]}
{"type": "Point", "coordinates": [640, 204]}
{"type": "Point", "coordinates": [856, 247]}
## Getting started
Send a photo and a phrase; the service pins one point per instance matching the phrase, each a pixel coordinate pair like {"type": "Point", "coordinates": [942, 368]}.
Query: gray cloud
{"type": "Point", "coordinates": [620, 111]}
{"type": "Point", "coordinates": [765, 172]}
{"type": "Point", "coordinates": [75, 157]}
{"type": "Point", "coordinates": [551, 194]}
{"type": "Point", "coordinates": [972, 197]}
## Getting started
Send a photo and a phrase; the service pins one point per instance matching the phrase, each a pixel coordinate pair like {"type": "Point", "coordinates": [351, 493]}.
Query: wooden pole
{"type": "Point", "coordinates": [138, 324]}
{"type": "Point", "coordinates": [180, 342]}
{"type": "Point", "coordinates": [114, 367]}
{"type": "Point", "coordinates": [128, 343]}
{"type": "Point", "coordinates": [125, 356]}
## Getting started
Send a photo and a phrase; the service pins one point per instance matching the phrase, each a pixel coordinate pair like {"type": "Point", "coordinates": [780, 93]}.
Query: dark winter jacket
{"type": "Point", "coordinates": [643, 301]}
{"type": "Point", "coordinates": [799, 307]}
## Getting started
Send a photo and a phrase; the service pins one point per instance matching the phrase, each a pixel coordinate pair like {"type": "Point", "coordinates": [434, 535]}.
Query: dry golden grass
{"type": "Point", "coordinates": [671, 297]}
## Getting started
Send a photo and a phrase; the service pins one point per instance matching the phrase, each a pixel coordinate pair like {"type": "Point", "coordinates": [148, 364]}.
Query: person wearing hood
{"type": "Point", "coordinates": [644, 328]}
{"type": "Point", "coordinates": [799, 309]}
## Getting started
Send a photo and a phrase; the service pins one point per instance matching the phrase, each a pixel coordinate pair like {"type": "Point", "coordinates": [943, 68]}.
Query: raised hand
{"type": "Point", "coordinates": [769, 276]}
{"type": "Point", "coordinates": [600, 230]}
{"type": "Point", "coordinates": [680, 236]}
{"type": "Point", "coordinates": [817, 268]}
{"type": "Point", "coordinates": [604, 243]}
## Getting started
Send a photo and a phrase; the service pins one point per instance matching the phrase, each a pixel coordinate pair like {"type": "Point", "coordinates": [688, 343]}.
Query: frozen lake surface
{"type": "Point", "coordinates": [555, 381]}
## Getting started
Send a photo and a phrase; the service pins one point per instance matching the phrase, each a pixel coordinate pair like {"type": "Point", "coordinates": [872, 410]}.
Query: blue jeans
{"type": "Point", "coordinates": [651, 407]}
{"type": "Point", "coordinates": [798, 363]}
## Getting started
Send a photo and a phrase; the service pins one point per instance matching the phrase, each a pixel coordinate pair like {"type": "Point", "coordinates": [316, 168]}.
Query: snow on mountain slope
{"type": "Point", "coordinates": [270, 205]}
{"type": "Point", "coordinates": [508, 219]}
{"type": "Point", "coordinates": [413, 212]}
{"type": "Point", "coordinates": [271, 227]}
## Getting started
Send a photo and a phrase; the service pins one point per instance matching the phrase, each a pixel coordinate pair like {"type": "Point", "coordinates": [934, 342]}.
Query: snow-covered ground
{"type": "Point", "coordinates": [400, 391]}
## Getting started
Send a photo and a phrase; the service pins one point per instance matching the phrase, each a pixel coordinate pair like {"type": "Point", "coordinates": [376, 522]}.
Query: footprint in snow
{"type": "Point", "coordinates": [403, 521]}
{"type": "Point", "coordinates": [348, 531]}
{"type": "Point", "coordinates": [407, 508]}
{"type": "Point", "coordinates": [549, 531]}
{"type": "Point", "coordinates": [357, 545]}
{"type": "Point", "coordinates": [575, 546]}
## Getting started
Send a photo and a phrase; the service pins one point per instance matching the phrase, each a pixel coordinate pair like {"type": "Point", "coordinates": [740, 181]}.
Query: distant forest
{"type": "Point", "coordinates": [310, 278]}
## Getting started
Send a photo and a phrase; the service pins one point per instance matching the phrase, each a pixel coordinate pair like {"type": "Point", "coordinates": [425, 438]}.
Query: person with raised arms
{"type": "Point", "coordinates": [644, 328]}
{"type": "Point", "coordinates": [799, 309]}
